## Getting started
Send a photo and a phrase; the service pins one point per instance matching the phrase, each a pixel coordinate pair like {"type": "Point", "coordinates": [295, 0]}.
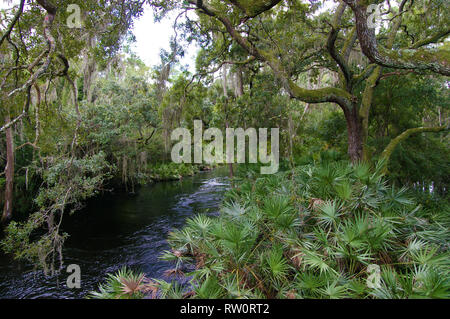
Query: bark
{"type": "Point", "coordinates": [355, 136]}
{"type": "Point", "coordinates": [417, 59]}
{"type": "Point", "coordinates": [239, 83]}
{"type": "Point", "coordinates": [224, 81]}
{"type": "Point", "coordinates": [9, 174]}
{"type": "Point", "coordinates": [366, 104]}
{"type": "Point", "coordinates": [254, 8]}
{"type": "Point", "coordinates": [371, 83]}
{"type": "Point", "coordinates": [332, 37]}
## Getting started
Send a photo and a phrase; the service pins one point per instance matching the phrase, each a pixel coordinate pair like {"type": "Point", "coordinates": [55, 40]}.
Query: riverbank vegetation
{"type": "Point", "coordinates": [363, 118]}
{"type": "Point", "coordinates": [321, 230]}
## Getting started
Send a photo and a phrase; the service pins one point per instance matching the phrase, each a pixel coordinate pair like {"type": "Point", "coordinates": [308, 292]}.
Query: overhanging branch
{"type": "Point", "coordinates": [390, 148]}
{"type": "Point", "coordinates": [336, 95]}
{"type": "Point", "coordinates": [417, 59]}
{"type": "Point", "coordinates": [13, 22]}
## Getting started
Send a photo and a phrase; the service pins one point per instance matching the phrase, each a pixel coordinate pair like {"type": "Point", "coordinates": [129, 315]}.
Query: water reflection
{"type": "Point", "coordinates": [118, 230]}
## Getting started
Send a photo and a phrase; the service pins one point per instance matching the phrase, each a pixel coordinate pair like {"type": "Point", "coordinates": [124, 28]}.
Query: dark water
{"type": "Point", "coordinates": [118, 230]}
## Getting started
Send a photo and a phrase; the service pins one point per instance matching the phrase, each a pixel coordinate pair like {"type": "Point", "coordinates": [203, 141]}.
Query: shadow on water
{"type": "Point", "coordinates": [117, 230]}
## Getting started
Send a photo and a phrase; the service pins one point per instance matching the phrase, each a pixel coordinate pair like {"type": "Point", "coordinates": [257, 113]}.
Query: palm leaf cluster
{"type": "Point", "coordinates": [328, 231]}
{"type": "Point", "coordinates": [125, 284]}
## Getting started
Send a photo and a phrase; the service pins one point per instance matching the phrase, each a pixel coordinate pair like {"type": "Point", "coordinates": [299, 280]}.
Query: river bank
{"type": "Point", "coordinates": [332, 230]}
{"type": "Point", "coordinates": [116, 230]}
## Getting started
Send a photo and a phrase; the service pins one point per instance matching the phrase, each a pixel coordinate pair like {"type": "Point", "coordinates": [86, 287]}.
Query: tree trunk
{"type": "Point", "coordinates": [90, 69]}
{"type": "Point", "coordinates": [9, 174]}
{"type": "Point", "coordinates": [355, 136]}
{"type": "Point", "coordinates": [239, 83]}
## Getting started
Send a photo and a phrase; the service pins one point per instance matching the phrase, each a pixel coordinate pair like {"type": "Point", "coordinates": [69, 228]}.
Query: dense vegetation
{"type": "Point", "coordinates": [363, 118]}
{"type": "Point", "coordinates": [315, 236]}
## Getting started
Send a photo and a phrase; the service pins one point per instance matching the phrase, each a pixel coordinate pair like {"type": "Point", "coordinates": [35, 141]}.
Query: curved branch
{"type": "Point", "coordinates": [13, 22]}
{"type": "Point", "coordinates": [431, 39]}
{"type": "Point", "coordinates": [23, 114]}
{"type": "Point", "coordinates": [37, 125]}
{"type": "Point", "coordinates": [331, 42]}
{"type": "Point", "coordinates": [348, 45]}
{"type": "Point", "coordinates": [385, 156]}
{"type": "Point", "coordinates": [336, 95]}
{"type": "Point", "coordinates": [48, 22]}
{"type": "Point", "coordinates": [254, 8]}
{"type": "Point", "coordinates": [418, 59]}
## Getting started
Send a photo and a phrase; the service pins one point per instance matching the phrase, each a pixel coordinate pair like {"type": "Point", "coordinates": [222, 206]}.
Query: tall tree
{"type": "Point", "coordinates": [38, 46]}
{"type": "Point", "coordinates": [288, 36]}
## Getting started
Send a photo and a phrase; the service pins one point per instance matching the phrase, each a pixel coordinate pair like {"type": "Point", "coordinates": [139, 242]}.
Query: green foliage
{"type": "Point", "coordinates": [314, 236]}
{"type": "Point", "coordinates": [68, 183]}
{"type": "Point", "coordinates": [171, 171]}
{"type": "Point", "coordinates": [119, 133]}
{"type": "Point", "coordinates": [406, 102]}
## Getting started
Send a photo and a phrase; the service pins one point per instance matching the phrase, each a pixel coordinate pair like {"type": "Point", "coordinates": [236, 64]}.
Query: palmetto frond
{"type": "Point", "coordinates": [199, 224]}
{"type": "Point", "coordinates": [132, 284]}
{"type": "Point", "coordinates": [123, 284]}
{"type": "Point", "coordinates": [234, 209]}
{"type": "Point", "coordinates": [329, 213]}
{"type": "Point", "coordinates": [334, 291]}
{"type": "Point", "coordinates": [275, 265]}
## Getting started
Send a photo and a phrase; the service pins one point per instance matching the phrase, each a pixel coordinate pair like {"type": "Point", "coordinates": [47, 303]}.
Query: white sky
{"type": "Point", "coordinates": [152, 36]}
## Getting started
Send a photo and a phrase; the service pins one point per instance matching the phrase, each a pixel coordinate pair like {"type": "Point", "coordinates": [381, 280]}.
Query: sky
{"type": "Point", "coordinates": [151, 37]}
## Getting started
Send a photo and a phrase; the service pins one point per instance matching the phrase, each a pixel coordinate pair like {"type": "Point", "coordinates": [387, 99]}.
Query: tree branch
{"type": "Point", "coordinates": [336, 95]}
{"type": "Point", "coordinates": [48, 22]}
{"type": "Point", "coordinates": [419, 59]}
{"type": "Point", "coordinates": [432, 39]}
{"type": "Point", "coordinates": [13, 22]}
{"type": "Point", "coordinates": [254, 8]}
{"type": "Point", "coordinates": [385, 156]}
{"type": "Point", "coordinates": [331, 42]}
